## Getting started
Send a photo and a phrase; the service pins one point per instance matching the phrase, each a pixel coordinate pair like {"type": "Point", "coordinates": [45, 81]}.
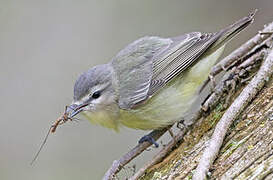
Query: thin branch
{"type": "Point", "coordinates": [210, 102]}
{"type": "Point", "coordinates": [118, 164]}
{"type": "Point", "coordinates": [237, 54]}
{"type": "Point", "coordinates": [248, 93]}
{"type": "Point", "coordinates": [247, 64]}
{"type": "Point", "coordinates": [221, 87]}
{"type": "Point", "coordinates": [159, 156]}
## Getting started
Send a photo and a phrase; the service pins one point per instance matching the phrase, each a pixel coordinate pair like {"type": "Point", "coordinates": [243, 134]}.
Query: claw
{"type": "Point", "coordinates": [149, 139]}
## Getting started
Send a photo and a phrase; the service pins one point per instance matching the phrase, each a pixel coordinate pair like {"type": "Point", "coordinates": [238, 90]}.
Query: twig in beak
{"type": "Point", "coordinates": [61, 120]}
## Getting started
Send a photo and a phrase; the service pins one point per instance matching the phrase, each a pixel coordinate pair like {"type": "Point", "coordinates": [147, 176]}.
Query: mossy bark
{"type": "Point", "coordinates": [247, 152]}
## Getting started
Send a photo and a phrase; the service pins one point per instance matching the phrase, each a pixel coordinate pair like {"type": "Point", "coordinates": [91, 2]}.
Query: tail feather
{"type": "Point", "coordinates": [229, 32]}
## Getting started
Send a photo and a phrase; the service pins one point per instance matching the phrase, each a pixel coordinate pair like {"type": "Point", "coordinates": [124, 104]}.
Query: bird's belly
{"type": "Point", "coordinates": [171, 103]}
{"type": "Point", "coordinates": [166, 107]}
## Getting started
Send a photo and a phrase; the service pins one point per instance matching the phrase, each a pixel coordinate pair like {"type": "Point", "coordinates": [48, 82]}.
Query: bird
{"type": "Point", "coordinates": [153, 82]}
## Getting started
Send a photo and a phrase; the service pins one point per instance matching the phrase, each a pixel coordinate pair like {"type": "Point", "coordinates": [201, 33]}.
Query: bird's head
{"type": "Point", "coordinates": [93, 91]}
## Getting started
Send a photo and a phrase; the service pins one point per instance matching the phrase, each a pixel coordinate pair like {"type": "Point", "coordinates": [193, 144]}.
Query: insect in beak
{"type": "Point", "coordinates": [69, 113]}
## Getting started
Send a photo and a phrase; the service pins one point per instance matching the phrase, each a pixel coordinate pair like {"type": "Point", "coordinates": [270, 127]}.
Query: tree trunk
{"type": "Point", "coordinates": [242, 98]}
{"type": "Point", "coordinates": [247, 151]}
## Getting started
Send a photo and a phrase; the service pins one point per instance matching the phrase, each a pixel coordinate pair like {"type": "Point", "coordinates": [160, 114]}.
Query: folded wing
{"type": "Point", "coordinates": [148, 64]}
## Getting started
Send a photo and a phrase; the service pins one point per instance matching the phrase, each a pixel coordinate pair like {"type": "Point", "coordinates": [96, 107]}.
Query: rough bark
{"type": "Point", "coordinates": [247, 150]}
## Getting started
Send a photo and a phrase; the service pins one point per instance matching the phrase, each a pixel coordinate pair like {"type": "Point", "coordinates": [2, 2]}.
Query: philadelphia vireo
{"type": "Point", "coordinates": [152, 82]}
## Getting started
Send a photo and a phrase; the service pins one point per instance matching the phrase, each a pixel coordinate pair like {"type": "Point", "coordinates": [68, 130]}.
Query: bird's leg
{"type": "Point", "coordinates": [148, 138]}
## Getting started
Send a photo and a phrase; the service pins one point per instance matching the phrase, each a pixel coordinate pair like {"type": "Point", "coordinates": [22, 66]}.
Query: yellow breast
{"type": "Point", "coordinates": [171, 103]}
{"type": "Point", "coordinates": [166, 107]}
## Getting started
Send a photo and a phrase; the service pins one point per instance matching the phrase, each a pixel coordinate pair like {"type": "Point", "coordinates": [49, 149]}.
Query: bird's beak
{"type": "Point", "coordinates": [75, 109]}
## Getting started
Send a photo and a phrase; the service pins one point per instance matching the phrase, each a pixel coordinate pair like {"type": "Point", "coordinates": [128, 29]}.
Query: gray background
{"type": "Point", "coordinates": [45, 45]}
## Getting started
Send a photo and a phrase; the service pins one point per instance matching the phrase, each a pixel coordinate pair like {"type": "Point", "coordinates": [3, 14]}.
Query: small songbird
{"type": "Point", "coordinates": [151, 83]}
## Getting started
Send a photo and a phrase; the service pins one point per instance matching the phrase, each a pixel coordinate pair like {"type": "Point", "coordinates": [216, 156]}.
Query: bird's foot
{"type": "Point", "coordinates": [150, 139]}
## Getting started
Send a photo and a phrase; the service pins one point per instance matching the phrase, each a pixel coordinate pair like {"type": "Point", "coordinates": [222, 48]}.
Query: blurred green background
{"type": "Point", "coordinates": [45, 45]}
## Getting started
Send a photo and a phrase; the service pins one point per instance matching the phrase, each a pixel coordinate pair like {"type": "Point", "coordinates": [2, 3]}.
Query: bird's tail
{"type": "Point", "coordinates": [229, 32]}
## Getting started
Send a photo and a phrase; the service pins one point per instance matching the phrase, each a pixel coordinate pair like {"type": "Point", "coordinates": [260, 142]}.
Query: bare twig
{"type": "Point", "coordinates": [61, 120]}
{"type": "Point", "coordinates": [118, 164]}
{"type": "Point", "coordinates": [248, 93]}
{"type": "Point", "coordinates": [237, 55]}
{"type": "Point", "coordinates": [268, 32]}
{"type": "Point", "coordinates": [251, 45]}
{"type": "Point", "coordinates": [221, 86]}
{"type": "Point", "coordinates": [210, 102]}
{"type": "Point", "coordinates": [159, 156]}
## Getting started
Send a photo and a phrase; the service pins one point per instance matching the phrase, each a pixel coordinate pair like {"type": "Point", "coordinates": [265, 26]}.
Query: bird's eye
{"type": "Point", "coordinates": [96, 95]}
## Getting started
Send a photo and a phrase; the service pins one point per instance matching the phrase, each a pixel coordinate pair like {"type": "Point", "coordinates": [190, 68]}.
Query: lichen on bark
{"type": "Point", "coordinates": [247, 150]}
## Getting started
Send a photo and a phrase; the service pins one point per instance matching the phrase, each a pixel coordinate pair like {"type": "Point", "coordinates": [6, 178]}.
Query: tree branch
{"type": "Point", "coordinates": [244, 58]}
{"type": "Point", "coordinates": [231, 114]}
{"type": "Point", "coordinates": [118, 164]}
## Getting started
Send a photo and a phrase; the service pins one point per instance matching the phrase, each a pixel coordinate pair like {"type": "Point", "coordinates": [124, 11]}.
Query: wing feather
{"type": "Point", "coordinates": [185, 54]}
{"type": "Point", "coordinates": [133, 69]}
{"type": "Point", "coordinates": [148, 64]}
